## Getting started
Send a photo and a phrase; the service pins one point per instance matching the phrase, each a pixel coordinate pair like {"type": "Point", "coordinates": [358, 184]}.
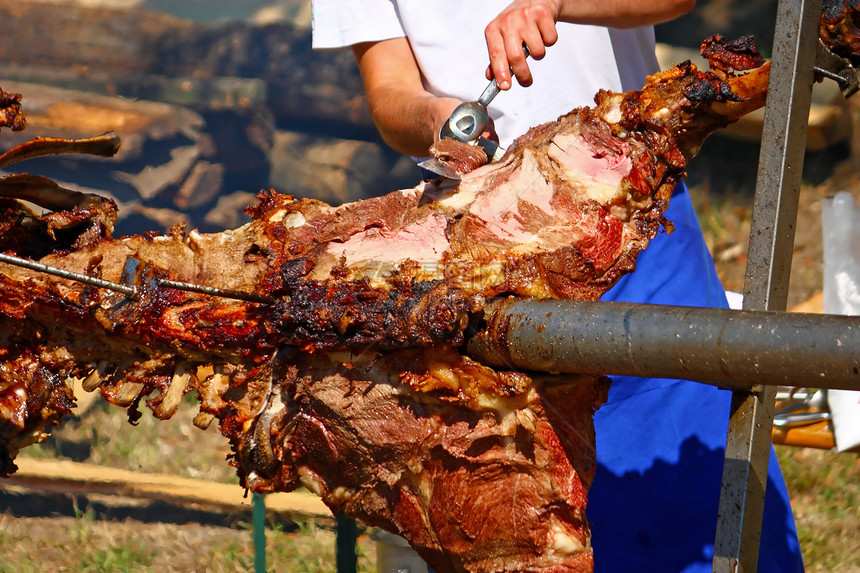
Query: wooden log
{"type": "Point", "coordinates": [202, 186]}
{"type": "Point", "coordinates": [61, 476]}
{"type": "Point", "coordinates": [328, 169]}
{"type": "Point", "coordinates": [57, 112]}
{"type": "Point", "coordinates": [146, 55]}
{"type": "Point", "coordinates": [163, 151]}
{"type": "Point", "coordinates": [228, 212]}
{"type": "Point", "coordinates": [81, 38]}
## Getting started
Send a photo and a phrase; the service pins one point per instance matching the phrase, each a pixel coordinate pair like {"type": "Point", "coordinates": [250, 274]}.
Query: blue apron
{"type": "Point", "coordinates": [660, 443]}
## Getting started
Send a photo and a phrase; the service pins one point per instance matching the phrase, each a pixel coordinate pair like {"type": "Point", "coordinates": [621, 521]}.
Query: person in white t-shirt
{"type": "Point", "coordinates": [660, 443]}
{"type": "Point", "coordinates": [420, 59]}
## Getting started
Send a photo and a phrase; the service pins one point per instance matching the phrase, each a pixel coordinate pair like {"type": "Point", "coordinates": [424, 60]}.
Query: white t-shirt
{"type": "Point", "coordinates": [447, 38]}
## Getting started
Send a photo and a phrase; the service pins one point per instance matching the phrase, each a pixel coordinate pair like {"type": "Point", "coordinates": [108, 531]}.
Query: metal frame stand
{"type": "Point", "coordinates": [346, 559]}
{"type": "Point", "coordinates": [778, 182]}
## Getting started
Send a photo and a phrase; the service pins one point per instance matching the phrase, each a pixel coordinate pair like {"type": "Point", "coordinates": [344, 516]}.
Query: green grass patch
{"type": "Point", "coordinates": [84, 544]}
{"type": "Point", "coordinates": [123, 558]}
{"type": "Point", "coordinates": [825, 496]}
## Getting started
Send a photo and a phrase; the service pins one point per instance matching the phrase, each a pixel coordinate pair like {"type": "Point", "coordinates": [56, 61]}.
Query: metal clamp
{"type": "Point", "coordinates": [836, 68]}
{"type": "Point", "coordinates": [470, 119]}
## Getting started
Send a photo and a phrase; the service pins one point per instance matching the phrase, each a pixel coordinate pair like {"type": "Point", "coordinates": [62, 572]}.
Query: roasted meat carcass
{"type": "Point", "coordinates": [341, 368]}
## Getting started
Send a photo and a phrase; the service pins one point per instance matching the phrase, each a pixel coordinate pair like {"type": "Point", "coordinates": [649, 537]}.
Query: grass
{"type": "Point", "coordinates": [825, 495]}
{"type": "Point", "coordinates": [311, 550]}
{"type": "Point", "coordinates": [84, 544]}
{"type": "Point", "coordinates": [104, 436]}
{"type": "Point", "coordinates": [725, 221]}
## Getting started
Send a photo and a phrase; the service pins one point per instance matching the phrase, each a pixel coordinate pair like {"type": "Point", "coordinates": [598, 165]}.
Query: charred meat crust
{"type": "Point", "coordinates": [740, 54]}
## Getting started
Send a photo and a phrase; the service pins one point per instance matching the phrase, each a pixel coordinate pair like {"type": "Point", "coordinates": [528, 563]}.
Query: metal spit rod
{"type": "Point", "coordinates": [718, 346]}
{"type": "Point", "coordinates": [130, 290]}
{"type": "Point", "coordinates": [63, 273]}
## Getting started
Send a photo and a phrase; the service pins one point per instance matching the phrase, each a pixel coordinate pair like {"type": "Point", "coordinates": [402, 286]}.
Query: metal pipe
{"type": "Point", "coordinates": [346, 537]}
{"type": "Point", "coordinates": [718, 346]}
{"type": "Point", "coordinates": [258, 516]}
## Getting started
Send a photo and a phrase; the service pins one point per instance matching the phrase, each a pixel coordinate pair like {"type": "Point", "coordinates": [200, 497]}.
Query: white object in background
{"type": "Point", "coordinates": [841, 235]}
{"type": "Point", "coordinates": [845, 413]}
{"type": "Point", "coordinates": [736, 300]}
{"type": "Point", "coordinates": [840, 219]}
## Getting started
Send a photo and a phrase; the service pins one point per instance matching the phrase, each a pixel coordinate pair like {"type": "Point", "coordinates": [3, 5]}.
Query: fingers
{"type": "Point", "coordinates": [499, 67]}
{"type": "Point", "coordinates": [548, 32]}
{"type": "Point", "coordinates": [529, 23]}
{"type": "Point", "coordinates": [518, 61]}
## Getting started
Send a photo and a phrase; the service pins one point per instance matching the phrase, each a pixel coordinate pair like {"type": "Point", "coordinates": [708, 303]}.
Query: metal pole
{"type": "Point", "coordinates": [346, 538]}
{"type": "Point", "coordinates": [259, 520]}
{"type": "Point", "coordinates": [718, 346]}
{"type": "Point", "coordinates": [768, 266]}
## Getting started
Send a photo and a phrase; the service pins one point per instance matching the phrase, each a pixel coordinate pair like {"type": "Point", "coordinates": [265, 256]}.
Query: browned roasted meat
{"type": "Point", "coordinates": [461, 158]}
{"type": "Point", "coordinates": [11, 115]}
{"type": "Point", "coordinates": [740, 54]}
{"type": "Point", "coordinates": [78, 219]}
{"type": "Point", "coordinates": [344, 373]}
{"type": "Point", "coordinates": [840, 28]}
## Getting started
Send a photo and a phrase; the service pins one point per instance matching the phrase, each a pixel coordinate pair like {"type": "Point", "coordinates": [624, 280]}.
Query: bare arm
{"type": "Point", "coordinates": [532, 22]}
{"type": "Point", "coordinates": [406, 115]}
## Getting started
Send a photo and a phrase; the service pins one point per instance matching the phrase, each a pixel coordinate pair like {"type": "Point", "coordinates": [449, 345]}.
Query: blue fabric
{"type": "Point", "coordinates": [660, 443]}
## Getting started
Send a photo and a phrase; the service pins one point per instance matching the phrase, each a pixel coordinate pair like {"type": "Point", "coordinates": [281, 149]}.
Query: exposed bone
{"type": "Point", "coordinates": [96, 377]}
{"type": "Point", "coordinates": [71, 381]}
{"type": "Point", "coordinates": [127, 393]}
{"type": "Point", "coordinates": [203, 420]}
{"type": "Point", "coordinates": [173, 395]}
{"type": "Point", "coordinates": [211, 391]}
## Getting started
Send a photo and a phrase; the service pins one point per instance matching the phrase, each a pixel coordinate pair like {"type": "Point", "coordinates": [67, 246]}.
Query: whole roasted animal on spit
{"type": "Point", "coordinates": [332, 355]}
